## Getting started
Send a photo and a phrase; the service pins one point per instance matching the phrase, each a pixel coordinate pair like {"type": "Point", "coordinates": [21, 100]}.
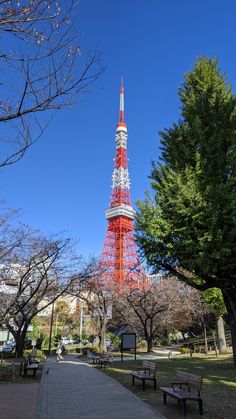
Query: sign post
{"type": "Point", "coordinates": [128, 341]}
{"type": "Point", "coordinates": [1, 350]}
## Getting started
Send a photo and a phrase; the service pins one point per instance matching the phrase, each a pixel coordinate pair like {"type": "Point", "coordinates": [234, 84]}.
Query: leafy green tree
{"type": "Point", "coordinates": [189, 228]}
{"type": "Point", "coordinates": [57, 339]}
{"type": "Point", "coordinates": [214, 299]}
{"type": "Point", "coordinates": [35, 324]}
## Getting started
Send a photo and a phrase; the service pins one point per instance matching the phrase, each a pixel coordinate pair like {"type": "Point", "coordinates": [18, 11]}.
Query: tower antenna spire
{"type": "Point", "coordinates": [122, 104]}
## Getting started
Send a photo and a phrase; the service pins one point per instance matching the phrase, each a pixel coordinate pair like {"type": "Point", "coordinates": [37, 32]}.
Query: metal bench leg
{"type": "Point", "coordinates": [200, 407]}
{"type": "Point", "coordinates": [164, 397]}
{"type": "Point", "coordinates": [133, 380]}
{"type": "Point", "coordinates": [155, 384]}
{"type": "Point", "coordinates": [143, 384]}
{"type": "Point", "coordinates": [184, 406]}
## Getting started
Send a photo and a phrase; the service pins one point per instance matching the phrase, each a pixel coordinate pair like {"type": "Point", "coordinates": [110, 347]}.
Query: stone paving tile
{"type": "Point", "coordinates": [75, 390]}
{"type": "Point", "coordinates": [18, 401]}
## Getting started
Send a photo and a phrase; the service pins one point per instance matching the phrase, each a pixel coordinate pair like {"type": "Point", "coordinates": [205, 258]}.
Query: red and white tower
{"type": "Point", "coordinates": [120, 255]}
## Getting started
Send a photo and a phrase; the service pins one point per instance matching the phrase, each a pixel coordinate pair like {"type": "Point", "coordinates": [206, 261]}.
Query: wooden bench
{"type": "Point", "coordinates": [29, 366]}
{"type": "Point", "coordinates": [187, 387]}
{"type": "Point", "coordinates": [96, 358]}
{"type": "Point", "coordinates": [106, 359]}
{"type": "Point", "coordinates": [146, 373]}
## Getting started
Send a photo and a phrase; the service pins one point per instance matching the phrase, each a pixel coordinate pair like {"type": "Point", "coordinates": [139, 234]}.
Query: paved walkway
{"type": "Point", "coordinates": [72, 389]}
{"type": "Point", "coordinates": [18, 401]}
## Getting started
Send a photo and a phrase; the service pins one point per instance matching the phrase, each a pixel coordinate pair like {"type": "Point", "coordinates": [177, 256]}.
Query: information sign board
{"type": "Point", "coordinates": [128, 341]}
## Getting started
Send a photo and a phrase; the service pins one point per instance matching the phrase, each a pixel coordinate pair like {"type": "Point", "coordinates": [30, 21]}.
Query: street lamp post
{"type": "Point", "coordinates": [57, 316]}
{"type": "Point", "coordinates": [50, 332]}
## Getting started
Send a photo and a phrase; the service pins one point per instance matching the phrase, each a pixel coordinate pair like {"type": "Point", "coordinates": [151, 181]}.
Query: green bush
{"type": "Point", "coordinates": [73, 350]}
{"type": "Point", "coordinates": [116, 341]}
{"type": "Point", "coordinates": [57, 339]}
{"type": "Point", "coordinates": [184, 350]}
{"type": "Point", "coordinates": [164, 342]}
{"type": "Point", "coordinates": [39, 354]}
{"type": "Point", "coordinates": [142, 344]}
{"type": "Point", "coordinates": [39, 342]}
{"type": "Point", "coordinates": [91, 338]}
{"type": "Point", "coordinates": [199, 349]}
{"type": "Point", "coordinates": [45, 342]}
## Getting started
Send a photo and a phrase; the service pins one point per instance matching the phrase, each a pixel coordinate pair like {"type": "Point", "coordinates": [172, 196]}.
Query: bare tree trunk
{"type": "Point", "coordinates": [205, 338]}
{"type": "Point", "coordinates": [99, 340]}
{"type": "Point", "coordinates": [149, 339]}
{"type": "Point", "coordinates": [221, 335]}
{"type": "Point", "coordinates": [19, 336]}
{"type": "Point", "coordinates": [103, 334]}
{"type": "Point", "coordinates": [20, 341]}
{"type": "Point", "coordinates": [167, 339]}
{"type": "Point", "coordinates": [230, 303]}
{"type": "Point", "coordinates": [215, 345]}
{"type": "Point", "coordinates": [149, 344]}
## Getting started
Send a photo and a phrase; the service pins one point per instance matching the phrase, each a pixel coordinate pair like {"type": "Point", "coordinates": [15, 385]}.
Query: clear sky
{"type": "Point", "coordinates": [64, 182]}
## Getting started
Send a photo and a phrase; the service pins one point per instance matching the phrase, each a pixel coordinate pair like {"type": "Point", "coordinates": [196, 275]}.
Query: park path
{"type": "Point", "coordinates": [72, 389]}
{"type": "Point", "coordinates": [18, 401]}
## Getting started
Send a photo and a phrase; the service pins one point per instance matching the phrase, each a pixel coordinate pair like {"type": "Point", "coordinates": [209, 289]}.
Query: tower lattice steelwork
{"type": "Point", "coordinates": [119, 256]}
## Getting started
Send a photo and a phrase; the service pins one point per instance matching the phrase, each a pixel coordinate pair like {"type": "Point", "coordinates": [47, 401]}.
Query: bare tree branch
{"type": "Point", "coordinates": [43, 68]}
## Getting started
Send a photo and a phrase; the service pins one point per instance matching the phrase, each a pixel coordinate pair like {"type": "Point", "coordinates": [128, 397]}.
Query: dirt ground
{"type": "Point", "coordinates": [18, 401]}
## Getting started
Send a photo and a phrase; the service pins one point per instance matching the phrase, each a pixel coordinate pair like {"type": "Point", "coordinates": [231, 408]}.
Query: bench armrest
{"type": "Point", "coordinates": [180, 384]}
{"type": "Point", "coordinates": [143, 369]}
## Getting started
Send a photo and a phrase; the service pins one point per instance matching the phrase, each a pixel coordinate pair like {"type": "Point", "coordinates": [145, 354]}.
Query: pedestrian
{"type": "Point", "coordinates": [59, 352]}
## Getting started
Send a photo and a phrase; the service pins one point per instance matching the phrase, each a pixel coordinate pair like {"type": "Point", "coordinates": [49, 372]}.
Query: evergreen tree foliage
{"type": "Point", "coordinates": [189, 228]}
{"type": "Point", "coordinates": [213, 298]}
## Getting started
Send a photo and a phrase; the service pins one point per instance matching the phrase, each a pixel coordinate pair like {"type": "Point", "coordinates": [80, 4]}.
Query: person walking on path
{"type": "Point", "coordinates": [59, 351]}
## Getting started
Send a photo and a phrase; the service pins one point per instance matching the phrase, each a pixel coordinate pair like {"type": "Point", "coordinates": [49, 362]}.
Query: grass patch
{"type": "Point", "coordinates": [218, 392]}
{"type": "Point", "coordinates": [6, 374]}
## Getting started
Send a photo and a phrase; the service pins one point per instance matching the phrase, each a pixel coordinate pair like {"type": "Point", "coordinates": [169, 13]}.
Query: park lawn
{"type": "Point", "coordinates": [7, 369]}
{"type": "Point", "coordinates": [218, 392]}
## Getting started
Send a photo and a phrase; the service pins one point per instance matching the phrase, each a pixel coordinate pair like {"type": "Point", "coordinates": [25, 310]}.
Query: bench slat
{"type": "Point", "coordinates": [180, 394]}
{"type": "Point", "coordinates": [144, 376]}
{"type": "Point", "coordinates": [192, 379]}
{"type": "Point", "coordinates": [193, 382]}
{"type": "Point", "coordinates": [147, 372]}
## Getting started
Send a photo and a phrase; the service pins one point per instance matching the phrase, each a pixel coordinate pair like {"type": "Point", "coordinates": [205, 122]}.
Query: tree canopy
{"type": "Point", "coordinates": [188, 228]}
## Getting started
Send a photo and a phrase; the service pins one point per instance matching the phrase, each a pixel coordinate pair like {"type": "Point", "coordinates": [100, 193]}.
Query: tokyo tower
{"type": "Point", "coordinates": [119, 256]}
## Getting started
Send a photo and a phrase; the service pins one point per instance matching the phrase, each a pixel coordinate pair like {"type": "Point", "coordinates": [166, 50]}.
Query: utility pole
{"type": "Point", "coordinates": [81, 324]}
{"type": "Point", "coordinates": [50, 332]}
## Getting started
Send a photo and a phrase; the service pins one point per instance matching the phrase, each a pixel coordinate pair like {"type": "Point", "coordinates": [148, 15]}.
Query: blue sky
{"type": "Point", "coordinates": [64, 182]}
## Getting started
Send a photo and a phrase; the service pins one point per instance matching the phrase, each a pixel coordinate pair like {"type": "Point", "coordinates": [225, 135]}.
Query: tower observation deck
{"type": "Point", "coordinates": [119, 257]}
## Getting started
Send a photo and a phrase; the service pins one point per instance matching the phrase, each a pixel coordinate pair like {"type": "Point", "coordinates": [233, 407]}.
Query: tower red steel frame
{"type": "Point", "coordinates": [119, 256]}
